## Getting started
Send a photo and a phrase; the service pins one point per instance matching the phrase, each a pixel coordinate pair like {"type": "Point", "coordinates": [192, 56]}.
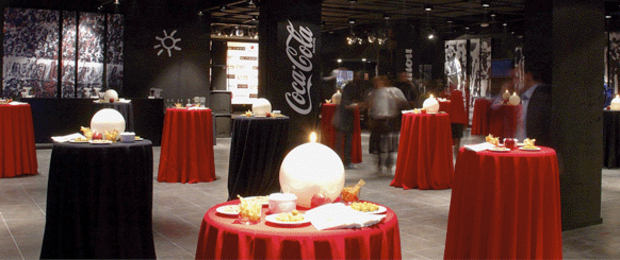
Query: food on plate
{"type": "Point", "coordinates": [349, 194]}
{"type": "Point", "coordinates": [137, 137]}
{"type": "Point", "coordinates": [261, 199]}
{"type": "Point", "coordinates": [248, 113]}
{"type": "Point", "coordinates": [233, 209]}
{"type": "Point", "coordinates": [364, 206]}
{"type": "Point", "coordinates": [6, 101]}
{"type": "Point", "coordinates": [111, 135]}
{"type": "Point", "coordinates": [249, 209]}
{"type": "Point", "coordinates": [528, 144]}
{"type": "Point", "coordinates": [80, 139]}
{"type": "Point", "coordinates": [178, 105]}
{"type": "Point", "coordinates": [293, 216]}
{"type": "Point", "coordinates": [87, 132]}
{"type": "Point", "coordinates": [492, 140]}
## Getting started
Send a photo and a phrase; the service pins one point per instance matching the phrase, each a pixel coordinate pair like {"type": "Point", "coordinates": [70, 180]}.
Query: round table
{"type": "Point", "coordinates": [18, 155]}
{"type": "Point", "coordinates": [480, 119]}
{"type": "Point", "coordinates": [611, 138]}
{"type": "Point", "coordinates": [126, 109]}
{"type": "Point", "coordinates": [187, 146]}
{"type": "Point", "coordinates": [425, 152]}
{"type": "Point", "coordinates": [221, 238]}
{"type": "Point", "coordinates": [505, 205]}
{"type": "Point", "coordinates": [444, 105]}
{"type": "Point", "coordinates": [504, 121]}
{"type": "Point", "coordinates": [329, 132]}
{"type": "Point", "coordinates": [257, 148]}
{"type": "Point", "coordinates": [99, 201]}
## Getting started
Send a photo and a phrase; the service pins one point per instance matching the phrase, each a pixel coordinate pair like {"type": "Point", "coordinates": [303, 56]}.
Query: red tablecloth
{"type": "Point", "coordinates": [219, 238]}
{"type": "Point", "coordinates": [480, 120]}
{"type": "Point", "coordinates": [425, 152]}
{"type": "Point", "coordinates": [444, 105]}
{"type": "Point", "coordinates": [505, 206]}
{"type": "Point", "coordinates": [329, 132]}
{"type": "Point", "coordinates": [18, 155]}
{"type": "Point", "coordinates": [187, 147]}
{"type": "Point", "coordinates": [456, 109]}
{"type": "Point", "coordinates": [504, 121]}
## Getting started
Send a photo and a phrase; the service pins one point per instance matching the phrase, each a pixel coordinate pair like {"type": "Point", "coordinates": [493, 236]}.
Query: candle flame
{"type": "Point", "coordinates": [313, 137]}
{"type": "Point", "coordinates": [432, 96]}
{"type": "Point", "coordinates": [507, 91]}
{"type": "Point", "coordinates": [515, 93]}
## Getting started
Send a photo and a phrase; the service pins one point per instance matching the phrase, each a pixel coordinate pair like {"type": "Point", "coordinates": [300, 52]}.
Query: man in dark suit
{"type": "Point", "coordinates": [536, 113]}
{"type": "Point", "coordinates": [350, 97]}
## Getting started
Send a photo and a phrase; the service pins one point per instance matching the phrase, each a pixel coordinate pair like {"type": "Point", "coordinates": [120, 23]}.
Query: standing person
{"type": "Point", "coordinates": [409, 89]}
{"type": "Point", "coordinates": [384, 104]}
{"type": "Point", "coordinates": [536, 109]}
{"type": "Point", "coordinates": [350, 97]}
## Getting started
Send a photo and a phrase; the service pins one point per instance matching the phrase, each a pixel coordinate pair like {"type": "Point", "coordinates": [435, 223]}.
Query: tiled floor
{"type": "Point", "coordinates": [179, 208]}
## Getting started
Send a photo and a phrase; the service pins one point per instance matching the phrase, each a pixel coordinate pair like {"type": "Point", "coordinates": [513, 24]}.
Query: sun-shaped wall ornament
{"type": "Point", "coordinates": [168, 42]}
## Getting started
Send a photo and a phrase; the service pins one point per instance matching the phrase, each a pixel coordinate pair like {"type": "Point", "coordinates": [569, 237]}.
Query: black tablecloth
{"type": "Point", "coordinates": [257, 149]}
{"type": "Point", "coordinates": [611, 139]}
{"type": "Point", "coordinates": [126, 109]}
{"type": "Point", "coordinates": [99, 201]}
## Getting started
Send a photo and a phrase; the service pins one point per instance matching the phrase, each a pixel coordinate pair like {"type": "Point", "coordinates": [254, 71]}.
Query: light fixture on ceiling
{"type": "Point", "coordinates": [339, 60]}
{"type": "Point", "coordinates": [239, 31]}
{"type": "Point", "coordinates": [608, 16]}
{"type": "Point", "coordinates": [485, 4]}
{"type": "Point", "coordinates": [351, 20]}
{"type": "Point", "coordinates": [431, 36]}
{"type": "Point", "coordinates": [428, 7]}
{"type": "Point", "coordinates": [250, 2]}
{"type": "Point", "coordinates": [200, 13]}
{"type": "Point", "coordinates": [363, 59]}
{"type": "Point", "coordinates": [372, 37]}
{"type": "Point", "coordinates": [382, 38]}
{"type": "Point", "coordinates": [352, 1]}
{"type": "Point", "coordinates": [116, 2]}
{"type": "Point", "coordinates": [387, 16]}
{"type": "Point", "coordinates": [253, 32]}
{"type": "Point", "coordinates": [222, 7]}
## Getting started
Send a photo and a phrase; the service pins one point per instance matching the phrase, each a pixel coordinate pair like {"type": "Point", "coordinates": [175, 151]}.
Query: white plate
{"type": "Point", "coordinates": [381, 209]}
{"type": "Point", "coordinates": [500, 150]}
{"type": "Point", "coordinates": [79, 141]}
{"type": "Point", "coordinates": [232, 210]}
{"type": "Point", "coordinates": [272, 218]}
{"type": "Point", "coordinates": [265, 199]}
{"type": "Point", "coordinates": [524, 149]}
{"type": "Point", "coordinates": [138, 139]}
{"type": "Point", "coordinates": [100, 142]}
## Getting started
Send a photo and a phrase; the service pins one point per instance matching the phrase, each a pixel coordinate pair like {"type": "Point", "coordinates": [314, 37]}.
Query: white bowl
{"type": "Point", "coordinates": [128, 137]}
{"type": "Point", "coordinates": [282, 202]}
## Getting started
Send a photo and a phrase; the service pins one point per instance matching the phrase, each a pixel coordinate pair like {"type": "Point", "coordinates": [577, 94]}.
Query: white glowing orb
{"type": "Point", "coordinates": [110, 94]}
{"type": "Point", "coordinates": [514, 99]}
{"type": "Point", "coordinates": [615, 103]}
{"type": "Point", "coordinates": [108, 119]}
{"type": "Point", "coordinates": [431, 105]}
{"type": "Point", "coordinates": [337, 98]}
{"type": "Point", "coordinates": [309, 169]}
{"type": "Point", "coordinates": [506, 95]}
{"type": "Point", "coordinates": [261, 107]}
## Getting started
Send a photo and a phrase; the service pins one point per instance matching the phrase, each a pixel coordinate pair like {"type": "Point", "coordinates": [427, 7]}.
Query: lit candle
{"type": "Point", "coordinates": [615, 103]}
{"type": "Point", "coordinates": [431, 105]}
{"type": "Point", "coordinates": [506, 95]}
{"type": "Point", "coordinates": [514, 99]}
{"type": "Point", "coordinates": [312, 168]}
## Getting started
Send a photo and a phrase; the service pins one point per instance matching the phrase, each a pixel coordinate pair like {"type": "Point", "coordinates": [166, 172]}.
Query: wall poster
{"type": "Point", "coordinates": [242, 72]}
{"type": "Point", "coordinates": [31, 62]}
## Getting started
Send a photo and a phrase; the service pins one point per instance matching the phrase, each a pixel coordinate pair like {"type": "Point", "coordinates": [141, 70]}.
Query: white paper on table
{"type": "Point", "coordinates": [479, 147]}
{"type": "Point", "coordinates": [17, 103]}
{"type": "Point", "coordinates": [197, 108]}
{"type": "Point", "coordinates": [124, 101]}
{"type": "Point", "coordinates": [66, 138]}
{"type": "Point", "coordinates": [407, 111]}
{"type": "Point", "coordinates": [337, 215]}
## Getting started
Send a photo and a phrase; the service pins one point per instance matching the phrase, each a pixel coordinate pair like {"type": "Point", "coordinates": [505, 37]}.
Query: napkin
{"type": "Point", "coordinates": [479, 147]}
{"type": "Point", "coordinates": [407, 111]}
{"type": "Point", "coordinates": [17, 103]}
{"type": "Point", "coordinates": [66, 138]}
{"type": "Point", "coordinates": [337, 215]}
{"type": "Point", "coordinates": [197, 108]}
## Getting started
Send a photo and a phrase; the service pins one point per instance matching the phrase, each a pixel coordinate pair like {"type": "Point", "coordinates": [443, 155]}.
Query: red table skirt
{"type": "Point", "coordinates": [424, 153]}
{"type": "Point", "coordinates": [18, 155]}
{"type": "Point", "coordinates": [504, 121]}
{"type": "Point", "coordinates": [329, 132]}
{"type": "Point", "coordinates": [187, 147]}
{"type": "Point", "coordinates": [221, 238]}
{"type": "Point", "coordinates": [505, 206]}
{"type": "Point", "coordinates": [480, 120]}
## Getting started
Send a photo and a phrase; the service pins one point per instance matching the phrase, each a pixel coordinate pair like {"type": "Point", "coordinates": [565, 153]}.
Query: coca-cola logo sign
{"type": "Point", "coordinates": [300, 48]}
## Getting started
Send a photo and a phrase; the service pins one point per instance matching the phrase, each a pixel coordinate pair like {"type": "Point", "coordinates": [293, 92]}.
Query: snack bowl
{"type": "Point", "coordinates": [128, 137]}
{"type": "Point", "coordinates": [282, 202]}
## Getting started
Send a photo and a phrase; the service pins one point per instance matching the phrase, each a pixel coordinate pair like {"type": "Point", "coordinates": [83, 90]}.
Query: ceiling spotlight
{"type": "Point", "coordinates": [387, 16]}
{"type": "Point", "coordinates": [222, 7]}
{"type": "Point", "coordinates": [339, 60]}
{"type": "Point", "coordinates": [363, 59]}
{"type": "Point", "coordinates": [352, 1]}
{"type": "Point", "coordinates": [505, 24]}
{"type": "Point", "coordinates": [351, 20]}
{"type": "Point", "coordinates": [493, 14]}
{"type": "Point", "coordinates": [608, 16]}
{"type": "Point", "coordinates": [484, 25]}
{"type": "Point", "coordinates": [467, 28]}
{"type": "Point", "coordinates": [428, 7]}
{"type": "Point", "coordinates": [239, 32]}
{"type": "Point", "coordinates": [116, 2]}
{"type": "Point", "coordinates": [372, 38]}
{"type": "Point", "coordinates": [200, 13]}
{"type": "Point", "coordinates": [485, 4]}
{"type": "Point", "coordinates": [254, 17]}
{"type": "Point", "coordinates": [449, 21]}
{"type": "Point", "coordinates": [253, 32]}
{"type": "Point", "coordinates": [250, 2]}
{"type": "Point", "coordinates": [431, 36]}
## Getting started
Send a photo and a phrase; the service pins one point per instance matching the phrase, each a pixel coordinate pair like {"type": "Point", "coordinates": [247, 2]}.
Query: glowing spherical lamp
{"type": "Point", "coordinates": [261, 107]}
{"type": "Point", "coordinates": [431, 104]}
{"type": "Point", "coordinates": [615, 103]}
{"type": "Point", "coordinates": [108, 119]}
{"type": "Point", "coordinates": [336, 98]}
{"type": "Point", "coordinates": [514, 99]}
{"type": "Point", "coordinates": [110, 95]}
{"type": "Point", "coordinates": [309, 169]}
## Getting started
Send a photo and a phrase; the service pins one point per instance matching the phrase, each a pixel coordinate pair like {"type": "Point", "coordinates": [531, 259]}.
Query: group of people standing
{"type": "Point", "coordinates": [381, 100]}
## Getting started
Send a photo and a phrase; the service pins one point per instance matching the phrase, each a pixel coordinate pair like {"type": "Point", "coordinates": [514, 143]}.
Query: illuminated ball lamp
{"type": "Point", "coordinates": [615, 103]}
{"type": "Point", "coordinates": [110, 96]}
{"type": "Point", "coordinates": [309, 169]}
{"type": "Point", "coordinates": [431, 105]}
{"type": "Point", "coordinates": [261, 107]}
{"type": "Point", "coordinates": [506, 95]}
{"type": "Point", "coordinates": [336, 98]}
{"type": "Point", "coordinates": [514, 99]}
{"type": "Point", "coordinates": [108, 119]}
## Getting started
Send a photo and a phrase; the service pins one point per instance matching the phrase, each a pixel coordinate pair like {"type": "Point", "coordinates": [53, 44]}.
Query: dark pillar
{"type": "Point", "coordinates": [568, 35]}
{"type": "Point", "coordinates": [289, 52]}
